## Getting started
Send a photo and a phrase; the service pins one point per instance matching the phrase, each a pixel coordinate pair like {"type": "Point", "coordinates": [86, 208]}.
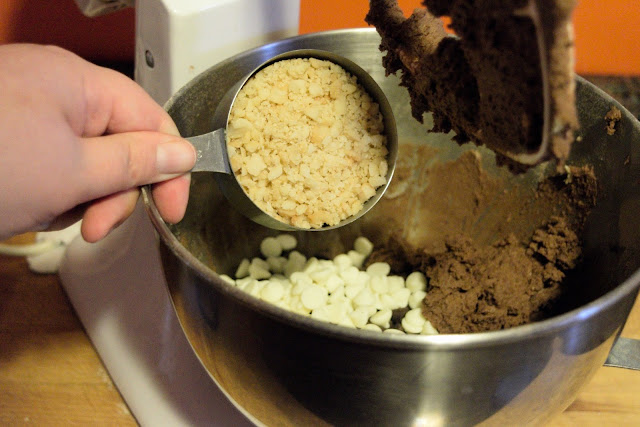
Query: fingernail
{"type": "Point", "coordinates": [175, 157]}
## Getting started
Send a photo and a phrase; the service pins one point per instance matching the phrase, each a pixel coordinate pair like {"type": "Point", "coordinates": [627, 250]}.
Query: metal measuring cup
{"type": "Point", "coordinates": [212, 154]}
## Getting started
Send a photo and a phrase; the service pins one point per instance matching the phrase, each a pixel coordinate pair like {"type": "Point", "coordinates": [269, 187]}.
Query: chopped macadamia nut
{"type": "Point", "coordinates": [307, 143]}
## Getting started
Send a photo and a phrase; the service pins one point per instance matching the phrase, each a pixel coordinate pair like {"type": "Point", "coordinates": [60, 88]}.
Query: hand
{"type": "Point", "coordinates": [78, 140]}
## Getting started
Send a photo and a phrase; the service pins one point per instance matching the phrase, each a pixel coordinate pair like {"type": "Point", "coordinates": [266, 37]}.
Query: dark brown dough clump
{"type": "Point", "coordinates": [486, 84]}
{"type": "Point", "coordinates": [475, 285]}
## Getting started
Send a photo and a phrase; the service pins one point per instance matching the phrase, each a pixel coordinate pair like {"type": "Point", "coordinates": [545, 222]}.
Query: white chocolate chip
{"type": "Point", "coordinates": [372, 327]}
{"type": "Point", "coordinates": [364, 298]}
{"type": "Point", "coordinates": [300, 282]}
{"type": "Point", "coordinates": [228, 279]}
{"type": "Point", "coordinates": [255, 287]}
{"type": "Point", "coordinates": [363, 246]}
{"type": "Point", "coordinates": [333, 283]}
{"type": "Point", "coordinates": [428, 329]}
{"type": "Point", "coordinates": [413, 322]}
{"type": "Point", "coordinates": [416, 281]}
{"type": "Point", "coordinates": [353, 289]}
{"type": "Point", "coordinates": [346, 321]}
{"type": "Point", "coordinates": [342, 262]}
{"type": "Point", "coordinates": [244, 282]}
{"type": "Point", "coordinates": [259, 269]}
{"type": "Point", "coordinates": [314, 296]}
{"type": "Point", "coordinates": [321, 275]}
{"type": "Point", "coordinates": [388, 302]}
{"type": "Point", "coordinates": [287, 241]}
{"type": "Point", "coordinates": [295, 263]}
{"type": "Point", "coordinates": [350, 275]}
{"type": "Point", "coordinates": [401, 297]}
{"type": "Point", "coordinates": [395, 283]}
{"type": "Point", "coordinates": [259, 262]}
{"type": "Point", "coordinates": [321, 313]}
{"type": "Point", "coordinates": [270, 247]}
{"type": "Point", "coordinates": [380, 269]}
{"type": "Point", "coordinates": [357, 259]}
{"type": "Point", "coordinates": [337, 311]}
{"type": "Point", "coordinates": [243, 269]}
{"type": "Point", "coordinates": [277, 264]}
{"type": "Point", "coordinates": [379, 284]}
{"type": "Point", "coordinates": [335, 291]}
{"type": "Point", "coordinates": [272, 292]}
{"type": "Point", "coordinates": [381, 318]}
{"type": "Point", "coordinates": [359, 317]}
{"type": "Point", "coordinates": [337, 296]}
{"type": "Point", "coordinates": [416, 298]}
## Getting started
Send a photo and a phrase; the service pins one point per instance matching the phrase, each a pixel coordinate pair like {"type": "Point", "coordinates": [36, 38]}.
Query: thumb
{"type": "Point", "coordinates": [119, 162]}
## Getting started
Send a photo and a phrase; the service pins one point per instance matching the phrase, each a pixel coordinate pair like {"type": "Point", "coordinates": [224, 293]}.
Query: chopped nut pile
{"type": "Point", "coordinates": [338, 291]}
{"type": "Point", "coordinates": [307, 143]}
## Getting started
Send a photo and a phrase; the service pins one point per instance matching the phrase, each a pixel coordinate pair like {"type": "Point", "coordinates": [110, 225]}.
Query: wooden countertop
{"type": "Point", "coordinates": [51, 374]}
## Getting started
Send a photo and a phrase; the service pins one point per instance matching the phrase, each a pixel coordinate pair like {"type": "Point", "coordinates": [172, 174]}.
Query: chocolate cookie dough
{"type": "Point", "coordinates": [490, 278]}
{"type": "Point", "coordinates": [492, 82]}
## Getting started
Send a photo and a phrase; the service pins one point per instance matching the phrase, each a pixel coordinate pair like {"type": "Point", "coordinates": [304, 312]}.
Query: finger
{"type": "Point", "coordinates": [115, 104]}
{"type": "Point", "coordinates": [119, 162]}
{"type": "Point", "coordinates": [171, 198]}
{"type": "Point", "coordinates": [95, 100]}
{"type": "Point", "coordinates": [68, 218]}
{"type": "Point", "coordinates": [105, 214]}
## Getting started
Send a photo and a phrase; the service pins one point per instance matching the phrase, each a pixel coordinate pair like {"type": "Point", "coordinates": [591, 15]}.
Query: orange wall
{"type": "Point", "coordinates": [60, 22]}
{"type": "Point", "coordinates": [607, 36]}
{"type": "Point", "coordinates": [607, 32]}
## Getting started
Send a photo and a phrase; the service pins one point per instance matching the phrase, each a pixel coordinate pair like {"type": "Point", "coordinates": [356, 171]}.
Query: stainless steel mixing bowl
{"type": "Point", "coordinates": [285, 369]}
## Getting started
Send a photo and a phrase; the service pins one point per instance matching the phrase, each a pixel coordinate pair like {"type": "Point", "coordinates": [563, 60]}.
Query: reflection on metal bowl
{"type": "Point", "coordinates": [285, 369]}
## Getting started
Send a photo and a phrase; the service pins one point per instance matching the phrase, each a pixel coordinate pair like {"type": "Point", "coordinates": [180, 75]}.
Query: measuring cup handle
{"type": "Point", "coordinates": [211, 152]}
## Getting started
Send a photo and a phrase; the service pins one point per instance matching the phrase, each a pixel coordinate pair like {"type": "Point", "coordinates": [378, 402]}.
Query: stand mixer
{"type": "Point", "coordinates": [122, 275]}
{"type": "Point", "coordinates": [117, 286]}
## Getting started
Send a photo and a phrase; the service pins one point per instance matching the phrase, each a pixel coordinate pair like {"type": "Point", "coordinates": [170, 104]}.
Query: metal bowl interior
{"type": "Point", "coordinates": [285, 369]}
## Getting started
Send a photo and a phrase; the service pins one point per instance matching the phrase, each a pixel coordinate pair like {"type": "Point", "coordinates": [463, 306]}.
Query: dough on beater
{"type": "Point", "coordinates": [486, 84]}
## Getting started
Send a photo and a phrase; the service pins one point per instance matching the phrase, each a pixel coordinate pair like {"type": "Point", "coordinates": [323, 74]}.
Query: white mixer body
{"type": "Point", "coordinates": [178, 39]}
